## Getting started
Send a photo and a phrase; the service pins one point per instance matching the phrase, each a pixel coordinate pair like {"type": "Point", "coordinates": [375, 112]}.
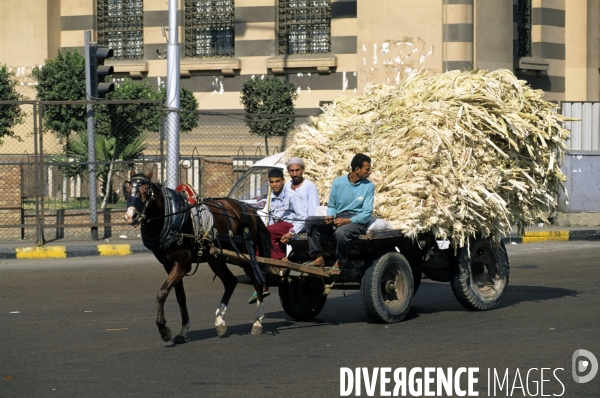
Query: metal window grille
{"type": "Point", "coordinates": [304, 26]}
{"type": "Point", "coordinates": [120, 25]}
{"type": "Point", "coordinates": [209, 28]}
{"type": "Point", "coordinates": [523, 42]}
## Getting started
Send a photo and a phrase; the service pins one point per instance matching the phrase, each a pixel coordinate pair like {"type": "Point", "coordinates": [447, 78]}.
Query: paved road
{"type": "Point", "coordinates": [84, 327]}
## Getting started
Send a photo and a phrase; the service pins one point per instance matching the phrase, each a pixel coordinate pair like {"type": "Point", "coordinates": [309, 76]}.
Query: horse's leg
{"type": "Point", "coordinates": [229, 283]}
{"type": "Point", "coordinates": [175, 276]}
{"type": "Point", "coordinates": [181, 336]}
{"type": "Point", "coordinates": [257, 327]}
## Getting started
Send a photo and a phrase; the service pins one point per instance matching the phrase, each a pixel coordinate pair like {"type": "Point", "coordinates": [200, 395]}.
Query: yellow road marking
{"type": "Point", "coordinates": [114, 250]}
{"type": "Point", "coordinates": [42, 252]}
{"type": "Point", "coordinates": [541, 236]}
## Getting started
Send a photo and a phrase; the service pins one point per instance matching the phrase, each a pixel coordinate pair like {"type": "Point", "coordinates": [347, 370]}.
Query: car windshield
{"type": "Point", "coordinates": [252, 187]}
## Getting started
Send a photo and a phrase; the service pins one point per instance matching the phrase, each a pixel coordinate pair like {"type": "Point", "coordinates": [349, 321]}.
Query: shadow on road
{"type": "Point", "coordinates": [432, 298]}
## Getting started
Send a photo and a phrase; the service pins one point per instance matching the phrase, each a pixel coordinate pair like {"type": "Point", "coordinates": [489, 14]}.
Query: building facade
{"type": "Point", "coordinates": [326, 47]}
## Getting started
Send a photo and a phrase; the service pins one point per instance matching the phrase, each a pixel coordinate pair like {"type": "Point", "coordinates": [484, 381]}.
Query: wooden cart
{"type": "Point", "coordinates": [387, 268]}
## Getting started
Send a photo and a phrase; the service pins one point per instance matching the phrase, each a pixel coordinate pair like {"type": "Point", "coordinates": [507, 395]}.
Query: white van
{"type": "Point", "coordinates": [253, 185]}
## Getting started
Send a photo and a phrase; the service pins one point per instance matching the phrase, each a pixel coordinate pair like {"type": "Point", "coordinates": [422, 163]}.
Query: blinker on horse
{"type": "Point", "coordinates": [179, 235]}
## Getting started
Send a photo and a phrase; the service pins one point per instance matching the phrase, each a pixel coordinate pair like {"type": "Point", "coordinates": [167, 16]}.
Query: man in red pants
{"type": "Point", "coordinates": [286, 214]}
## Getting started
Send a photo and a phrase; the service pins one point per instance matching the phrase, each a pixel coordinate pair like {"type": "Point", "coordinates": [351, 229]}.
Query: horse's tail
{"type": "Point", "coordinates": [264, 238]}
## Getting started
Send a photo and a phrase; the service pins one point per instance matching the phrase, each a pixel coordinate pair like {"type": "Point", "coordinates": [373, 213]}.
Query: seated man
{"type": "Point", "coordinates": [349, 209]}
{"type": "Point", "coordinates": [286, 214]}
{"type": "Point", "coordinates": [304, 188]}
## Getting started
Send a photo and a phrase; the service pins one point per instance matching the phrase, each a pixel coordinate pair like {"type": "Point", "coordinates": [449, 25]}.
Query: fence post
{"type": "Point", "coordinates": [106, 214]}
{"type": "Point", "coordinates": [60, 220]}
{"type": "Point", "coordinates": [38, 160]}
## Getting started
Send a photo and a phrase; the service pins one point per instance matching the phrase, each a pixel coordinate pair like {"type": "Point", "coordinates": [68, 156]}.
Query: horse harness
{"type": "Point", "coordinates": [233, 239]}
{"type": "Point", "coordinates": [178, 212]}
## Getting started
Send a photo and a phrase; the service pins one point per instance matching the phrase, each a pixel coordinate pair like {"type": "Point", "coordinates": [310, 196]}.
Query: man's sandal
{"type": "Point", "coordinates": [254, 297]}
{"type": "Point", "coordinates": [335, 271]}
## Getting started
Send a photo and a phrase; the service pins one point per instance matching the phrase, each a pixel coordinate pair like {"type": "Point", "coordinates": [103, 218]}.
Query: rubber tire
{"type": "Point", "coordinates": [381, 304]}
{"type": "Point", "coordinates": [302, 298]}
{"type": "Point", "coordinates": [479, 281]}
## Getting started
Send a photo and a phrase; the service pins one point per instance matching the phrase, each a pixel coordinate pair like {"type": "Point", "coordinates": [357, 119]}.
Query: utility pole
{"type": "Point", "coordinates": [173, 99]}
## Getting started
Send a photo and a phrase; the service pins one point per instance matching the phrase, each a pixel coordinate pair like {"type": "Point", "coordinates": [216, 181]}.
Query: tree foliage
{"type": "Point", "coordinates": [187, 102]}
{"type": "Point", "coordinates": [269, 96]}
{"type": "Point", "coordinates": [10, 114]}
{"type": "Point", "coordinates": [62, 79]}
{"type": "Point", "coordinates": [125, 122]}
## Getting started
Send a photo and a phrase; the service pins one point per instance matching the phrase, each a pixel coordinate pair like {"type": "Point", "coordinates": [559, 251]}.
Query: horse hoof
{"type": "Point", "coordinates": [257, 329]}
{"type": "Point", "coordinates": [221, 329]}
{"type": "Point", "coordinates": [179, 339]}
{"type": "Point", "coordinates": [166, 336]}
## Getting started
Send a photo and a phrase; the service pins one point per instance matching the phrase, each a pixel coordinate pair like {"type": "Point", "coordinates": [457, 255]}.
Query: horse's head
{"type": "Point", "coordinates": [138, 193]}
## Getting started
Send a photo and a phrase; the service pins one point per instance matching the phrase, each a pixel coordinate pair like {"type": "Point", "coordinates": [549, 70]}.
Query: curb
{"type": "Point", "coordinates": [556, 236]}
{"type": "Point", "coordinates": [46, 252]}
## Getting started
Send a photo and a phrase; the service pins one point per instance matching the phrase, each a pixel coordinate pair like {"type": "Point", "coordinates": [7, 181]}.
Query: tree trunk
{"type": "Point", "coordinates": [108, 190]}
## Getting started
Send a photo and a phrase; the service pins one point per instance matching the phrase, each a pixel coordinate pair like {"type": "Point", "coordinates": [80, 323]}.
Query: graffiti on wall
{"type": "Point", "coordinates": [393, 61]}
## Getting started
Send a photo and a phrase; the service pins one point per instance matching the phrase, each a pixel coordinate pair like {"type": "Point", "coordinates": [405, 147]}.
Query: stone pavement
{"type": "Point", "coordinates": [117, 246]}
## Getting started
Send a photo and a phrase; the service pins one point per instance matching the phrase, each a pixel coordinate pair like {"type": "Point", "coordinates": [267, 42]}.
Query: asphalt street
{"type": "Point", "coordinates": [84, 327]}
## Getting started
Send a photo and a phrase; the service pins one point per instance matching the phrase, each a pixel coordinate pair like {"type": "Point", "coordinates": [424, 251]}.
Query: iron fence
{"type": "Point", "coordinates": [44, 168]}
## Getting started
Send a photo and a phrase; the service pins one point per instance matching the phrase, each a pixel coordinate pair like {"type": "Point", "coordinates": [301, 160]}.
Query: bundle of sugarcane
{"type": "Point", "coordinates": [457, 154]}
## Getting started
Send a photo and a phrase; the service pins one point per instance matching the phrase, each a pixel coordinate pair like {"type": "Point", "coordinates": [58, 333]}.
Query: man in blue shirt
{"type": "Point", "coordinates": [348, 210]}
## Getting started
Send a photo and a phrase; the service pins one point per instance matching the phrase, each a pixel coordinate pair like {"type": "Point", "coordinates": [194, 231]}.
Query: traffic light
{"type": "Point", "coordinates": [98, 71]}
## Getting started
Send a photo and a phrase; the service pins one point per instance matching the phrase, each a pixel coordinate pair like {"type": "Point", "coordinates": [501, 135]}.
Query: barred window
{"type": "Point", "coordinates": [120, 25]}
{"type": "Point", "coordinates": [523, 22]}
{"type": "Point", "coordinates": [304, 26]}
{"type": "Point", "coordinates": [209, 28]}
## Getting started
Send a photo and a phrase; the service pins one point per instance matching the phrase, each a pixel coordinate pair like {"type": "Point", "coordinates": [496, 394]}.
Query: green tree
{"type": "Point", "coordinates": [62, 79]}
{"type": "Point", "coordinates": [122, 127]}
{"type": "Point", "coordinates": [269, 96]}
{"type": "Point", "coordinates": [187, 102]}
{"type": "Point", "coordinates": [10, 114]}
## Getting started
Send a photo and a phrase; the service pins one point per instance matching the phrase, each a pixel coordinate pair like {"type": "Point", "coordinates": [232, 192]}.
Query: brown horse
{"type": "Point", "coordinates": [177, 240]}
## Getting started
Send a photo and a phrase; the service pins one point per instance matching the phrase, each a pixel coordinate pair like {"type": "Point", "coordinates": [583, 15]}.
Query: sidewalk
{"type": "Point", "coordinates": [116, 246]}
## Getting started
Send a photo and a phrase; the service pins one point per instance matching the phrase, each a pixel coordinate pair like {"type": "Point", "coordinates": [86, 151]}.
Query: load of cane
{"type": "Point", "coordinates": [459, 154]}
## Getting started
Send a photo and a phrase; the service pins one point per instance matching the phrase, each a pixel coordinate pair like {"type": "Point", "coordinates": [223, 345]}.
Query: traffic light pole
{"type": "Point", "coordinates": [173, 99]}
{"type": "Point", "coordinates": [91, 139]}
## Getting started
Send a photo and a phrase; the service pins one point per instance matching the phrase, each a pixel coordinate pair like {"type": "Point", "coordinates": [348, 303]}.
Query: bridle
{"type": "Point", "coordinates": [134, 198]}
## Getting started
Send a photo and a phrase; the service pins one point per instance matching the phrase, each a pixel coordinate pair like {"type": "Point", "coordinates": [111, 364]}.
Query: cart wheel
{"type": "Point", "coordinates": [387, 288]}
{"type": "Point", "coordinates": [479, 281]}
{"type": "Point", "coordinates": [302, 298]}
